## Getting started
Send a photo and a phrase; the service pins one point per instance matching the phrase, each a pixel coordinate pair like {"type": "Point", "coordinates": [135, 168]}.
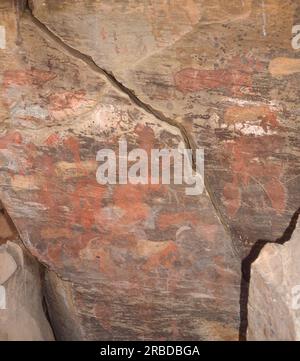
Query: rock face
{"type": "Point", "coordinates": [140, 261]}
{"type": "Point", "coordinates": [274, 295]}
{"type": "Point", "coordinates": [7, 230]}
{"type": "Point", "coordinates": [22, 317]}
{"type": "Point", "coordinates": [227, 71]}
{"type": "Point", "coordinates": [7, 265]}
{"type": "Point", "coordinates": [147, 261]}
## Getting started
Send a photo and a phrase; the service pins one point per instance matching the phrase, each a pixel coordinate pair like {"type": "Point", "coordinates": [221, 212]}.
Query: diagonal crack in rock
{"type": "Point", "coordinates": [89, 61]}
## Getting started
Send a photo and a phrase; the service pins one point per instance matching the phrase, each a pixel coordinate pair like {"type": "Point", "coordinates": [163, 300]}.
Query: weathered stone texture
{"type": "Point", "coordinates": [7, 230]}
{"type": "Point", "coordinates": [7, 266]}
{"type": "Point", "coordinates": [227, 71]}
{"type": "Point", "coordinates": [140, 262]}
{"type": "Point", "coordinates": [274, 297]}
{"type": "Point", "coordinates": [148, 261]}
{"type": "Point", "coordinates": [23, 318]}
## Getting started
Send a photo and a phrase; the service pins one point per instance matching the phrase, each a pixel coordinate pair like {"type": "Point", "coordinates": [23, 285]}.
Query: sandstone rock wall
{"type": "Point", "coordinates": [147, 261]}
{"type": "Point", "coordinates": [226, 71]}
{"type": "Point", "coordinates": [22, 317]}
{"type": "Point", "coordinates": [274, 297]}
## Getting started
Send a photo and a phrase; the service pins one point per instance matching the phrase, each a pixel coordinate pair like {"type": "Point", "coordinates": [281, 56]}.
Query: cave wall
{"type": "Point", "coordinates": [274, 295]}
{"type": "Point", "coordinates": [148, 261]}
{"type": "Point", "coordinates": [23, 316]}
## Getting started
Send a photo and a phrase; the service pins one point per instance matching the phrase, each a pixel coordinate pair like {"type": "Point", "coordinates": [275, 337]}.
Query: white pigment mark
{"type": "Point", "coordinates": [253, 129]}
{"type": "Point", "coordinates": [2, 37]}
{"type": "Point", "coordinates": [264, 18]}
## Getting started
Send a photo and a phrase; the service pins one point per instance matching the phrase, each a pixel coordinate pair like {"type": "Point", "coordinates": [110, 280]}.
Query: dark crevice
{"type": "Point", "coordinates": [8, 230]}
{"type": "Point", "coordinates": [44, 300]}
{"type": "Point", "coordinates": [246, 270]}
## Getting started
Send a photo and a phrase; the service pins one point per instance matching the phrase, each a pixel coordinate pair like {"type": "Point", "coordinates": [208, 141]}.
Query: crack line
{"type": "Point", "coordinates": [90, 62]}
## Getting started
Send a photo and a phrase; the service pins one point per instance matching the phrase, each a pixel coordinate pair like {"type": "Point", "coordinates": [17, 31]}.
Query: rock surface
{"type": "Point", "coordinates": [274, 295]}
{"type": "Point", "coordinates": [22, 317]}
{"type": "Point", "coordinates": [7, 265]}
{"type": "Point", "coordinates": [140, 261]}
{"type": "Point", "coordinates": [6, 228]}
{"type": "Point", "coordinates": [227, 71]}
{"type": "Point", "coordinates": [147, 261]}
